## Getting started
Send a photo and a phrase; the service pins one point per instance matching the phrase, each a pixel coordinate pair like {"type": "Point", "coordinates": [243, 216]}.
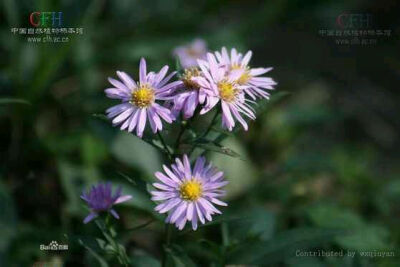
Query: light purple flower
{"type": "Point", "coordinates": [189, 195]}
{"type": "Point", "coordinates": [186, 97]}
{"type": "Point", "coordinates": [188, 54]}
{"type": "Point", "coordinates": [100, 198]}
{"type": "Point", "coordinates": [139, 99]}
{"type": "Point", "coordinates": [254, 86]}
{"type": "Point", "coordinates": [222, 87]}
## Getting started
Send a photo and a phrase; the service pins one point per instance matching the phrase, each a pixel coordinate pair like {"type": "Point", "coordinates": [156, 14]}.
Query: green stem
{"type": "Point", "coordinates": [181, 132]}
{"type": "Point", "coordinates": [225, 234]}
{"type": "Point", "coordinates": [105, 227]}
{"type": "Point", "coordinates": [211, 124]}
{"type": "Point", "coordinates": [164, 145]}
{"type": "Point", "coordinates": [168, 236]}
{"type": "Point", "coordinates": [225, 241]}
{"type": "Point", "coordinates": [185, 126]}
{"type": "Point", "coordinates": [207, 130]}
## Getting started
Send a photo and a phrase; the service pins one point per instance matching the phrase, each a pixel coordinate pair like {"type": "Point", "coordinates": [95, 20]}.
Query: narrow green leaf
{"type": "Point", "coordinates": [95, 255]}
{"type": "Point", "coordinates": [178, 66]}
{"type": "Point", "coordinates": [178, 257]}
{"type": "Point", "coordinates": [126, 177]}
{"type": "Point", "coordinates": [140, 226]}
{"type": "Point", "coordinates": [220, 149]}
{"type": "Point", "coordinates": [219, 130]}
{"type": "Point", "coordinates": [101, 116]}
{"type": "Point", "coordinates": [4, 101]}
{"type": "Point", "coordinates": [213, 146]}
{"type": "Point", "coordinates": [145, 261]}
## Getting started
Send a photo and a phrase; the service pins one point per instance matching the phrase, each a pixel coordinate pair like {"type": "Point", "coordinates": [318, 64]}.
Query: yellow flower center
{"type": "Point", "coordinates": [227, 91]}
{"type": "Point", "coordinates": [187, 78]}
{"type": "Point", "coordinates": [245, 77]}
{"type": "Point", "coordinates": [235, 67]}
{"type": "Point", "coordinates": [143, 97]}
{"type": "Point", "coordinates": [190, 190]}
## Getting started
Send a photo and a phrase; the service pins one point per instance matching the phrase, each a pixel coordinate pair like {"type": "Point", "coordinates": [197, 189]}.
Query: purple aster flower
{"type": "Point", "coordinates": [187, 95]}
{"type": "Point", "coordinates": [100, 198]}
{"type": "Point", "coordinates": [189, 195]}
{"type": "Point", "coordinates": [222, 87]}
{"type": "Point", "coordinates": [254, 86]}
{"type": "Point", "coordinates": [188, 54]}
{"type": "Point", "coordinates": [139, 99]}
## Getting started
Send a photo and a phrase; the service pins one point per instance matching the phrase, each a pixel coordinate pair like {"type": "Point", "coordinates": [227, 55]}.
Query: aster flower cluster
{"type": "Point", "coordinates": [215, 79]}
{"type": "Point", "coordinates": [185, 192]}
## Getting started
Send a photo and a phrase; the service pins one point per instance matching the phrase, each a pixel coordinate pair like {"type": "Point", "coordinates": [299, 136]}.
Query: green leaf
{"type": "Point", "coordinates": [221, 131]}
{"type": "Point", "coordinates": [92, 252]}
{"type": "Point", "coordinates": [132, 151]}
{"type": "Point", "coordinates": [281, 247]}
{"type": "Point", "coordinates": [210, 145]}
{"type": "Point", "coordinates": [178, 66]}
{"type": "Point", "coordinates": [138, 227]}
{"type": "Point", "coordinates": [101, 117]}
{"type": "Point", "coordinates": [144, 260]}
{"type": "Point", "coordinates": [203, 249]}
{"type": "Point", "coordinates": [240, 174]}
{"type": "Point", "coordinates": [177, 257]}
{"type": "Point", "coordinates": [330, 216]}
{"type": "Point", "coordinates": [126, 177]}
{"type": "Point", "coordinates": [306, 262]}
{"type": "Point", "coordinates": [365, 238]}
{"type": "Point", "coordinates": [359, 235]}
{"type": "Point", "coordinates": [4, 101]}
{"type": "Point", "coordinates": [256, 221]}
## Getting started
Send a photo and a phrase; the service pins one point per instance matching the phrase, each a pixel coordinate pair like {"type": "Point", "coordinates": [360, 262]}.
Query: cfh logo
{"type": "Point", "coordinates": [353, 21]}
{"type": "Point", "coordinates": [46, 19]}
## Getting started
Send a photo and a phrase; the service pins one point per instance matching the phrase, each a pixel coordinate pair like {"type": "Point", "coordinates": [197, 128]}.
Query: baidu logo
{"type": "Point", "coordinates": [46, 19]}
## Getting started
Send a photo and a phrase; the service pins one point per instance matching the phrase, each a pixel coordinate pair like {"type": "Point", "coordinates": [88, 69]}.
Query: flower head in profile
{"type": "Point", "coordinates": [187, 95]}
{"type": "Point", "coordinates": [188, 54]}
{"type": "Point", "coordinates": [139, 99]}
{"type": "Point", "coordinates": [189, 195]}
{"type": "Point", "coordinates": [100, 198]}
{"type": "Point", "coordinates": [222, 87]}
{"type": "Point", "coordinates": [253, 85]}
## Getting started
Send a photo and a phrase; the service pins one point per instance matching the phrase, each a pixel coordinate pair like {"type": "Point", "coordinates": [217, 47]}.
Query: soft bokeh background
{"type": "Point", "coordinates": [321, 168]}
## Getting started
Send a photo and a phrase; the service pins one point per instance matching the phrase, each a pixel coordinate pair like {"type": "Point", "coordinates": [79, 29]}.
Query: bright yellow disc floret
{"type": "Point", "coordinates": [227, 91]}
{"type": "Point", "coordinates": [143, 97]}
{"type": "Point", "coordinates": [190, 190]}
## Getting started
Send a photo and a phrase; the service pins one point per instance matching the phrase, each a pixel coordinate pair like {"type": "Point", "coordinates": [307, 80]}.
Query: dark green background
{"type": "Point", "coordinates": [322, 162]}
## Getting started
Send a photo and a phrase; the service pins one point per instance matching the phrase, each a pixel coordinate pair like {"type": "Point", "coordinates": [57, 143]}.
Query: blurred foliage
{"type": "Point", "coordinates": [318, 169]}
